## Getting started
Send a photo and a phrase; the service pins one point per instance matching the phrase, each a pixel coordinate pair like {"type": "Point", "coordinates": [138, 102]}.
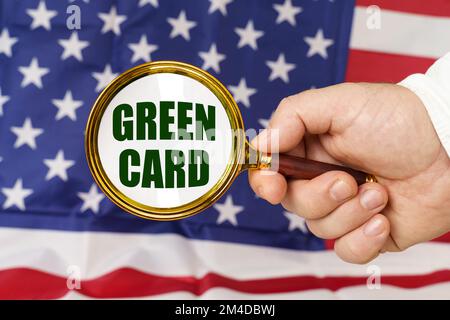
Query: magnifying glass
{"type": "Point", "coordinates": [165, 140]}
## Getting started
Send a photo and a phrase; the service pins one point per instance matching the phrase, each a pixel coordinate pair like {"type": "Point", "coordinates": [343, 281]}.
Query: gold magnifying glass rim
{"type": "Point", "coordinates": [232, 169]}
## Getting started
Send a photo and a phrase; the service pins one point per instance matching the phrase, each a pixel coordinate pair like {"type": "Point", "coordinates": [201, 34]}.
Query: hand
{"type": "Point", "coordinates": [383, 129]}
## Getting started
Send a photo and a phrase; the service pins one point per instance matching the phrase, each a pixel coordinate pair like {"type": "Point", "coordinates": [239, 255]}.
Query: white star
{"type": "Point", "coordinates": [318, 44]}
{"type": "Point", "coordinates": [112, 21]}
{"type": "Point", "coordinates": [73, 47]}
{"type": "Point", "coordinates": [3, 100]}
{"type": "Point", "coordinates": [280, 68]}
{"type": "Point", "coordinates": [41, 16]}
{"type": "Point", "coordinates": [26, 134]}
{"type": "Point", "coordinates": [67, 107]}
{"type": "Point", "coordinates": [287, 12]}
{"type": "Point", "coordinates": [91, 199]}
{"type": "Point", "coordinates": [6, 43]}
{"type": "Point", "coordinates": [248, 36]}
{"type": "Point", "coordinates": [296, 222]}
{"type": "Point", "coordinates": [181, 26]}
{"type": "Point", "coordinates": [220, 5]}
{"type": "Point", "coordinates": [33, 74]}
{"type": "Point", "coordinates": [16, 195]}
{"type": "Point", "coordinates": [104, 78]}
{"type": "Point", "coordinates": [242, 93]}
{"type": "Point", "coordinates": [228, 211]}
{"type": "Point", "coordinates": [58, 166]}
{"type": "Point", "coordinates": [264, 123]}
{"type": "Point", "coordinates": [151, 2]}
{"type": "Point", "coordinates": [212, 58]}
{"type": "Point", "coordinates": [142, 50]}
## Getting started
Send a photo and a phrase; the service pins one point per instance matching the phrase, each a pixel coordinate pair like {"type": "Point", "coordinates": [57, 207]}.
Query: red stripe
{"type": "Point", "coordinates": [21, 283]}
{"type": "Point", "coordinates": [444, 238]}
{"type": "Point", "coordinates": [439, 8]}
{"type": "Point", "coordinates": [383, 67]}
{"type": "Point", "coordinates": [329, 244]}
{"type": "Point", "coordinates": [32, 284]}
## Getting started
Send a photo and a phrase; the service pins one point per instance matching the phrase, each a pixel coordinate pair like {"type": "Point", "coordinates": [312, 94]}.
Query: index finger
{"type": "Point", "coordinates": [315, 111]}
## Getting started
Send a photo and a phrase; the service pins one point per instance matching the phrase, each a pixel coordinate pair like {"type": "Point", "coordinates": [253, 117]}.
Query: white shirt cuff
{"type": "Point", "coordinates": [433, 88]}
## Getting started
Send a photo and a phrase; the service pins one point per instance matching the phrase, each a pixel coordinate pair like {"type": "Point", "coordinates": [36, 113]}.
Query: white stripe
{"type": "Point", "coordinates": [436, 292]}
{"type": "Point", "coordinates": [97, 253]}
{"type": "Point", "coordinates": [402, 33]}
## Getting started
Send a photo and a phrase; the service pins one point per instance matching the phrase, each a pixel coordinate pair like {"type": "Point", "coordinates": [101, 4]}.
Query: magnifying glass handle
{"type": "Point", "coordinates": [301, 168]}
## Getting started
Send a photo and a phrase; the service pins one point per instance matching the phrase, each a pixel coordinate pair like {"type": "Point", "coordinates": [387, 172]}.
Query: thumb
{"type": "Point", "coordinates": [364, 243]}
{"type": "Point", "coordinates": [316, 111]}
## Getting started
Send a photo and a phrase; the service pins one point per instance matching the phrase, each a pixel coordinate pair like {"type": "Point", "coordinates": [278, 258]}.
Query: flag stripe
{"type": "Point", "coordinates": [383, 67]}
{"type": "Point", "coordinates": [98, 253]}
{"type": "Point", "coordinates": [128, 282]}
{"type": "Point", "coordinates": [444, 238]}
{"type": "Point", "coordinates": [429, 7]}
{"type": "Point", "coordinates": [436, 291]}
{"type": "Point", "coordinates": [401, 33]}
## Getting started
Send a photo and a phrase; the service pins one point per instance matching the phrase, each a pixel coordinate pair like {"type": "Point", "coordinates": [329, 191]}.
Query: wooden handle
{"type": "Point", "coordinates": [300, 168]}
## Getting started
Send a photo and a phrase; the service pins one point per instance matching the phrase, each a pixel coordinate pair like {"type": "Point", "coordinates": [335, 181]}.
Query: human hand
{"type": "Point", "coordinates": [383, 129]}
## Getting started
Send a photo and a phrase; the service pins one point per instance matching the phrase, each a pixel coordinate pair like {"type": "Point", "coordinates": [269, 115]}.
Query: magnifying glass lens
{"type": "Point", "coordinates": [161, 140]}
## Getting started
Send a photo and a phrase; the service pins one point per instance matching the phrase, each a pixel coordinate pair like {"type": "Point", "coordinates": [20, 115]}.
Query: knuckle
{"type": "Point", "coordinates": [286, 205]}
{"type": "Point", "coordinates": [311, 210]}
{"type": "Point", "coordinates": [290, 102]}
{"type": "Point", "coordinates": [320, 230]}
{"type": "Point", "coordinates": [358, 87]}
{"type": "Point", "coordinates": [306, 209]}
{"type": "Point", "coordinates": [317, 208]}
{"type": "Point", "coordinates": [286, 103]}
{"type": "Point", "coordinates": [356, 254]}
{"type": "Point", "coordinates": [272, 200]}
{"type": "Point", "coordinates": [299, 199]}
{"type": "Point", "coordinates": [313, 215]}
{"type": "Point", "coordinates": [349, 85]}
{"type": "Point", "coordinates": [294, 205]}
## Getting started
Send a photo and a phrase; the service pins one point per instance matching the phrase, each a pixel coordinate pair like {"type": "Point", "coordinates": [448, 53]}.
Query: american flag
{"type": "Point", "coordinates": [60, 237]}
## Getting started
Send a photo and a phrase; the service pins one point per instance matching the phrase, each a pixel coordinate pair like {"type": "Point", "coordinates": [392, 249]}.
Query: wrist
{"type": "Point", "coordinates": [433, 89]}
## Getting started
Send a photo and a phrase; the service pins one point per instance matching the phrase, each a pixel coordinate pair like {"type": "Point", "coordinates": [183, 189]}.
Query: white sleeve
{"type": "Point", "coordinates": [433, 88]}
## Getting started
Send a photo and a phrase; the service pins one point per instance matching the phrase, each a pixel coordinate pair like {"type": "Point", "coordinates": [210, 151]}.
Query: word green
{"type": "Point", "coordinates": [142, 124]}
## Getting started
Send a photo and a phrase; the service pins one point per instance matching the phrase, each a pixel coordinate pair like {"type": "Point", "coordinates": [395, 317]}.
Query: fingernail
{"type": "Point", "coordinates": [371, 199]}
{"type": "Point", "coordinates": [374, 228]}
{"type": "Point", "coordinates": [340, 190]}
